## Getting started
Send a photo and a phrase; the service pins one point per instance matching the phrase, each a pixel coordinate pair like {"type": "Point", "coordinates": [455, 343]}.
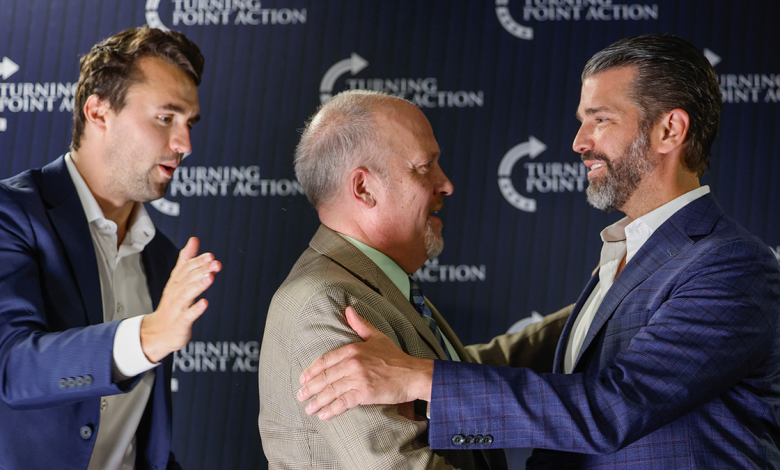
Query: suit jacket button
{"type": "Point", "coordinates": [63, 384]}
{"type": "Point", "coordinates": [87, 379]}
{"type": "Point", "coordinates": [85, 432]}
{"type": "Point", "coordinates": [487, 440]}
{"type": "Point", "coordinates": [469, 440]}
{"type": "Point", "coordinates": [458, 439]}
{"type": "Point", "coordinates": [478, 439]}
{"type": "Point", "coordinates": [71, 382]}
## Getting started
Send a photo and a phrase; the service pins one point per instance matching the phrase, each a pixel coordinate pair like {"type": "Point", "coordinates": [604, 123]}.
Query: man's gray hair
{"type": "Point", "coordinates": [341, 136]}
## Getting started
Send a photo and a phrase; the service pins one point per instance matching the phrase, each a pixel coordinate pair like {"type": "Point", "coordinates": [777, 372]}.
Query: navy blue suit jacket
{"type": "Point", "coordinates": [55, 350]}
{"type": "Point", "coordinates": [680, 368]}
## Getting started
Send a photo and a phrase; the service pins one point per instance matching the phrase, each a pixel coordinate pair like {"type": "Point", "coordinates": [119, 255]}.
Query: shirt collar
{"type": "Point", "coordinates": [141, 229]}
{"type": "Point", "coordinates": [391, 269]}
{"type": "Point", "coordinates": [636, 233]}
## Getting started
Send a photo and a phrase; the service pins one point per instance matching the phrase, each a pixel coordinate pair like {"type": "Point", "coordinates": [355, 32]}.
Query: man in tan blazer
{"type": "Point", "coordinates": [369, 164]}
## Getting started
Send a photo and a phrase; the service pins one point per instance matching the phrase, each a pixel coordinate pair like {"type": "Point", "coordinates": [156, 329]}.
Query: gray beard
{"type": "Point", "coordinates": [613, 190]}
{"type": "Point", "coordinates": [434, 243]}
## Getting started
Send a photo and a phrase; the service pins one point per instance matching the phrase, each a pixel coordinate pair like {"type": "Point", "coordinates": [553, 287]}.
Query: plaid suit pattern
{"type": "Point", "coordinates": [305, 320]}
{"type": "Point", "coordinates": [680, 369]}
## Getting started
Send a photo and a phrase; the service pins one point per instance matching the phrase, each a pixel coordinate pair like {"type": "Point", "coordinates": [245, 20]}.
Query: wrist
{"type": "Point", "coordinates": [423, 380]}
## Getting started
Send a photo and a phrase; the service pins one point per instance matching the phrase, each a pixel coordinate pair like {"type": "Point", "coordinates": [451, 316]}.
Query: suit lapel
{"type": "Point", "coordinates": [671, 238]}
{"type": "Point", "coordinates": [564, 341]}
{"type": "Point", "coordinates": [330, 244]}
{"type": "Point", "coordinates": [69, 221]}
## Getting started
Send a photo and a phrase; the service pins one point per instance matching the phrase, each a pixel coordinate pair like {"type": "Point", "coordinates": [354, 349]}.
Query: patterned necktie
{"type": "Point", "coordinates": [425, 313]}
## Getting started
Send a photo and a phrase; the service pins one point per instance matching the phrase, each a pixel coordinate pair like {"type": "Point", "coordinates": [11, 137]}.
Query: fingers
{"type": "Point", "coordinates": [325, 361]}
{"type": "Point", "coordinates": [359, 324]}
{"type": "Point", "coordinates": [341, 404]}
{"type": "Point", "coordinates": [189, 251]}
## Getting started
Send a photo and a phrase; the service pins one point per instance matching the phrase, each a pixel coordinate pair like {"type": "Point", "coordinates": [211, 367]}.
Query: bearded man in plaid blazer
{"type": "Point", "coordinates": [369, 164]}
{"type": "Point", "coordinates": [671, 357]}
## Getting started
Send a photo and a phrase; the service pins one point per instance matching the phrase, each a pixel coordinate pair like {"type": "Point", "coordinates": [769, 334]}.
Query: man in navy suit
{"type": "Point", "coordinates": [671, 357]}
{"type": "Point", "coordinates": [87, 309]}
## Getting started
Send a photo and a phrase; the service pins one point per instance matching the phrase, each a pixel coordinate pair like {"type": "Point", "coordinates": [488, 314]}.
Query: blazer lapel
{"type": "Point", "coordinates": [563, 343]}
{"type": "Point", "coordinates": [672, 237]}
{"type": "Point", "coordinates": [330, 244]}
{"type": "Point", "coordinates": [69, 221]}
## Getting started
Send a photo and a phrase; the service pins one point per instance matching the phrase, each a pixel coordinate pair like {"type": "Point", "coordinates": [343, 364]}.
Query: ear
{"type": "Point", "coordinates": [95, 111]}
{"type": "Point", "coordinates": [363, 188]}
{"type": "Point", "coordinates": [670, 133]}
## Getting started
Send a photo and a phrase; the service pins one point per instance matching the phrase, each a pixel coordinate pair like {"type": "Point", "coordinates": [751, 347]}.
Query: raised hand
{"type": "Point", "coordinates": [169, 328]}
{"type": "Point", "coordinates": [373, 372]}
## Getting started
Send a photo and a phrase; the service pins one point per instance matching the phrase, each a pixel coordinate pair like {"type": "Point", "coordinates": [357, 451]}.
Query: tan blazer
{"type": "Point", "coordinates": [305, 320]}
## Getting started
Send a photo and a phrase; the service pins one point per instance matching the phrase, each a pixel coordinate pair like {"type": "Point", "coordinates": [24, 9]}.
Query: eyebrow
{"type": "Point", "coordinates": [591, 111]}
{"type": "Point", "coordinates": [178, 109]}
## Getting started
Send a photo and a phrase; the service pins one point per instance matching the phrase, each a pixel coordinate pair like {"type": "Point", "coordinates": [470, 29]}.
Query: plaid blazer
{"type": "Point", "coordinates": [304, 321]}
{"type": "Point", "coordinates": [680, 368]}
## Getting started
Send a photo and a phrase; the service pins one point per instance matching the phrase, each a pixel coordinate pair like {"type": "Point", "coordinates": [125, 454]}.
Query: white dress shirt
{"type": "Point", "coordinates": [125, 295]}
{"type": "Point", "coordinates": [623, 238]}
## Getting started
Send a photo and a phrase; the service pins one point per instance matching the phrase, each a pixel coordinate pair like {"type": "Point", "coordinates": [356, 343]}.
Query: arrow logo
{"type": "Point", "coordinates": [354, 65]}
{"type": "Point", "coordinates": [509, 24]}
{"type": "Point", "coordinates": [530, 149]}
{"type": "Point", "coordinates": [7, 68]}
{"type": "Point", "coordinates": [712, 57]}
{"type": "Point", "coordinates": [153, 16]}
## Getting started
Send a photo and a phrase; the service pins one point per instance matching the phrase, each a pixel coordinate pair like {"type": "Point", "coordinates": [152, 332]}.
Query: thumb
{"type": "Point", "coordinates": [360, 325]}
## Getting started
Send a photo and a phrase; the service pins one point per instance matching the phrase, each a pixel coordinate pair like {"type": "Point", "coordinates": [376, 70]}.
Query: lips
{"type": "Point", "coordinates": [168, 168]}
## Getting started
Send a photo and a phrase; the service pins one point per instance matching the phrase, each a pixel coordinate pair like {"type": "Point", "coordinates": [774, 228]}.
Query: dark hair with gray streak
{"type": "Point", "coordinates": [341, 136]}
{"type": "Point", "coordinates": [671, 73]}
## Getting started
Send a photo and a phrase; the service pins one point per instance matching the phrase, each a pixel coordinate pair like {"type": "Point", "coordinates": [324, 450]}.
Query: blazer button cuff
{"type": "Point", "coordinates": [487, 440]}
{"type": "Point", "coordinates": [85, 432]}
{"type": "Point", "coordinates": [458, 439]}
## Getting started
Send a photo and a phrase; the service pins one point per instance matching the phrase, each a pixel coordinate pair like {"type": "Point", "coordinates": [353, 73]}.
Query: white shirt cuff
{"type": "Point", "coordinates": [129, 357]}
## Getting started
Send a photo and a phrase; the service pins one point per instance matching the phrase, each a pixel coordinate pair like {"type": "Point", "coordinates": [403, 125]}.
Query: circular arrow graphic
{"type": "Point", "coordinates": [153, 16]}
{"type": "Point", "coordinates": [354, 65]}
{"type": "Point", "coordinates": [530, 149]}
{"type": "Point", "coordinates": [509, 24]}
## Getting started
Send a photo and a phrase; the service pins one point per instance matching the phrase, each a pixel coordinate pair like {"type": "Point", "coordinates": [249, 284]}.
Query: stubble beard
{"type": "Point", "coordinates": [130, 182]}
{"type": "Point", "coordinates": [613, 190]}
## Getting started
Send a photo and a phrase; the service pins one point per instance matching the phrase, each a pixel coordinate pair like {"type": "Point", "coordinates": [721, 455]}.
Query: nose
{"type": "Point", "coordinates": [583, 141]}
{"type": "Point", "coordinates": [180, 140]}
{"type": "Point", "coordinates": [445, 187]}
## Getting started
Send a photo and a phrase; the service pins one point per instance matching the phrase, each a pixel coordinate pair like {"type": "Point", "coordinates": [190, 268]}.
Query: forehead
{"type": "Point", "coordinates": [164, 84]}
{"type": "Point", "coordinates": [607, 91]}
{"type": "Point", "coordinates": [406, 128]}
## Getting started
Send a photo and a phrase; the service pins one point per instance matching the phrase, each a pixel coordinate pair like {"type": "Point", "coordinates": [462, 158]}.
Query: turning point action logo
{"type": "Point", "coordinates": [222, 181]}
{"type": "Point", "coordinates": [570, 10]}
{"type": "Point", "coordinates": [746, 88]}
{"type": "Point", "coordinates": [216, 12]}
{"type": "Point", "coordinates": [423, 92]}
{"type": "Point", "coordinates": [556, 177]}
{"type": "Point", "coordinates": [32, 97]}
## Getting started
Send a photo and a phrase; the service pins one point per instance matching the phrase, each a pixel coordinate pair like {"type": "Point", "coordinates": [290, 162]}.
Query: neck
{"type": "Point", "coordinates": [365, 231]}
{"type": "Point", "coordinates": [114, 209]}
{"type": "Point", "coordinates": [658, 188]}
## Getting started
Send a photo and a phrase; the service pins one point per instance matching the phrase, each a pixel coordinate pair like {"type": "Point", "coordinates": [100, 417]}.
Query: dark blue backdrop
{"type": "Point", "coordinates": [490, 75]}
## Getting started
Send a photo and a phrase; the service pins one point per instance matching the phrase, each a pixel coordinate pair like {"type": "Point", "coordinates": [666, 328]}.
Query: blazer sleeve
{"type": "Point", "coordinates": [717, 326]}
{"type": "Point", "coordinates": [366, 437]}
{"type": "Point", "coordinates": [40, 367]}
{"type": "Point", "coordinates": [534, 347]}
